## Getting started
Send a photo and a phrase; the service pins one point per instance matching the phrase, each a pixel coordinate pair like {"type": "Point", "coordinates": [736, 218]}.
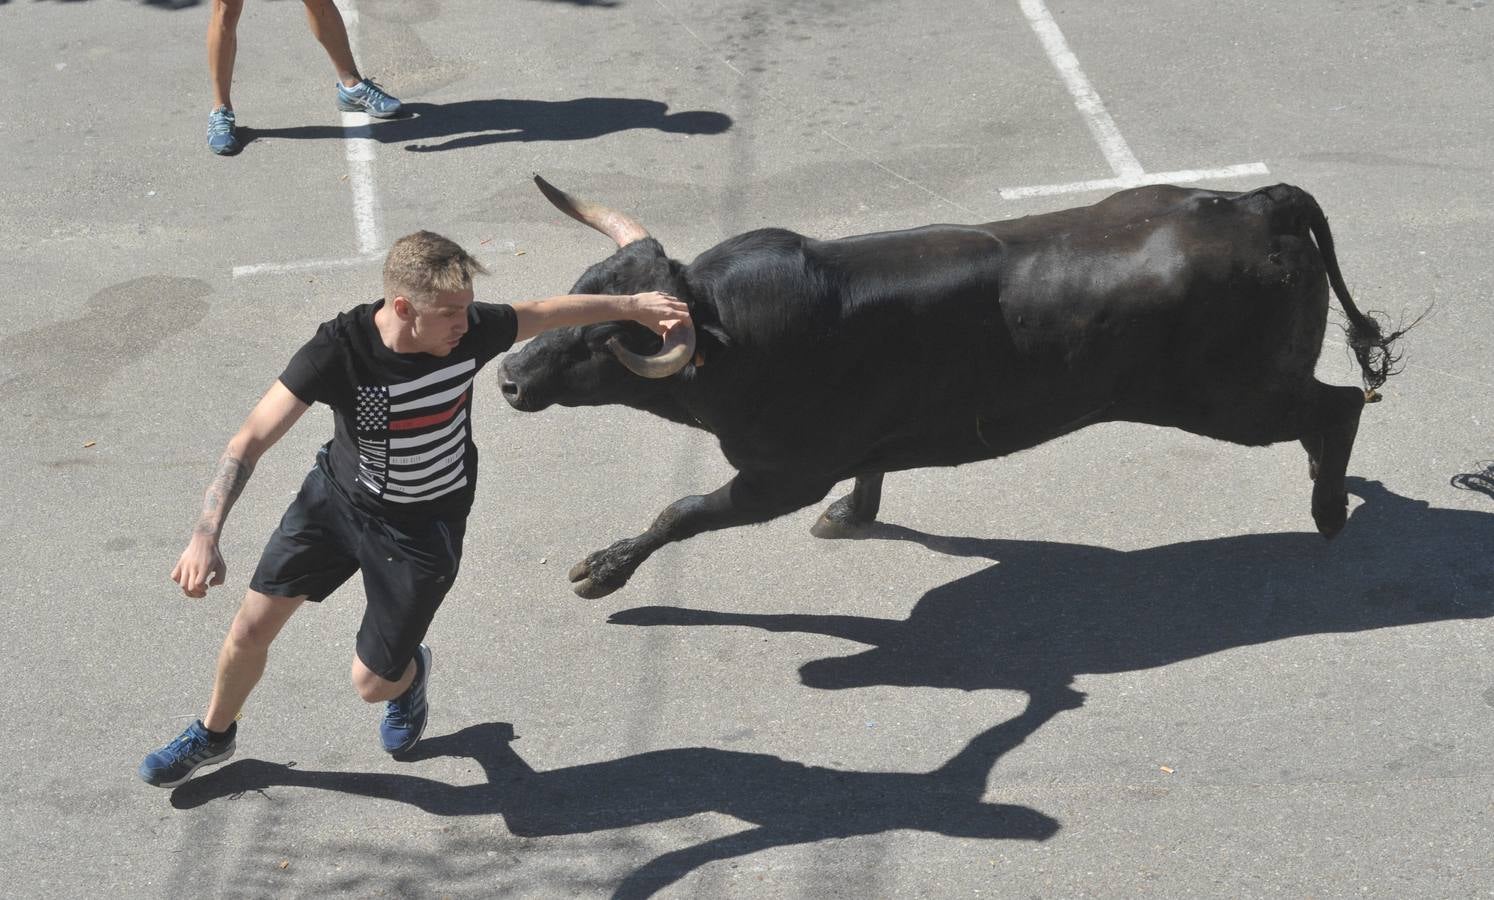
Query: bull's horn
{"type": "Point", "coordinates": [612, 223]}
{"type": "Point", "coordinates": [679, 347]}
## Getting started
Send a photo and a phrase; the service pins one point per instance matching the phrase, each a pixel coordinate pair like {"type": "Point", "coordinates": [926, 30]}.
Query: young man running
{"type": "Point", "coordinates": [388, 495]}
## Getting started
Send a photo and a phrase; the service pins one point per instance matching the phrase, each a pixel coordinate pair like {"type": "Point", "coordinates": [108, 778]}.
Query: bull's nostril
{"type": "Point", "coordinates": [510, 389]}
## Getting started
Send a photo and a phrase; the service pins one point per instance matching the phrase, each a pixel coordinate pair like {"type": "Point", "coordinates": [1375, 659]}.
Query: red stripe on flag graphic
{"type": "Point", "coordinates": [425, 421]}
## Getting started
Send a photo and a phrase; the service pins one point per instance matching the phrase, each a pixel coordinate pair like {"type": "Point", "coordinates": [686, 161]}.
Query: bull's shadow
{"type": "Point", "coordinates": [432, 127]}
{"type": "Point", "coordinates": [1049, 612]}
{"type": "Point", "coordinates": [785, 802]}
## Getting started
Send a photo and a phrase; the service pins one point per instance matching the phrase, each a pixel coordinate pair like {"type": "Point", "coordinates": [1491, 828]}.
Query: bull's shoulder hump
{"type": "Point", "coordinates": [761, 240]}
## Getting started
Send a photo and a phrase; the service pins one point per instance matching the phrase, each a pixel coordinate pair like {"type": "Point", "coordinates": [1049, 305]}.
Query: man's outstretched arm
{"type": "Point", "coordinates": [659, 311]}
{"type": "Point", "coordinates": [201, 564]}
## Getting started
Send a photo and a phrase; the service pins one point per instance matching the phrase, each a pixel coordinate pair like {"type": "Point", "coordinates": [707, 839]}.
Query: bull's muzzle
{"type": "Point", "coordinates": [512, 391]}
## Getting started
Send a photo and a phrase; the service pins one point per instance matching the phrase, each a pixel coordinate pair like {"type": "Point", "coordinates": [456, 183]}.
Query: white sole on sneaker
{"type": "Point", "coordinates": [210, 761]}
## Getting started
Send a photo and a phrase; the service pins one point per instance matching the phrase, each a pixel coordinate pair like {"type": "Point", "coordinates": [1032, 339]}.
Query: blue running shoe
{"type": "Point", "coordinates": [404, 716]}
{"type": "Point", "coordinates": [194, 748]}
{"type": "Point", "coordinates": [366, 96]}
{"type": "Point", "coordinates": [221, 139]}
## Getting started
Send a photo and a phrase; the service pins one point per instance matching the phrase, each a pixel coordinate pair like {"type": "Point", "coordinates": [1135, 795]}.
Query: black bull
{"type": "Point", "coordinates": [817, 361]}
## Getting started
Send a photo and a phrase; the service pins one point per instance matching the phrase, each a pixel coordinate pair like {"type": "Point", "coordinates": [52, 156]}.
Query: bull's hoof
{"type": "Point", "coordinates": [1331, 515]}
{"type": "Point", "coordinates": [588, 586]}
{"type": "Point", "coordinates": [831, 528]}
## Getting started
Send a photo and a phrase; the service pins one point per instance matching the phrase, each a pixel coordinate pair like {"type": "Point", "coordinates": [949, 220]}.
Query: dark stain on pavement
{"type": "Point", "coordinates": [65, 366]}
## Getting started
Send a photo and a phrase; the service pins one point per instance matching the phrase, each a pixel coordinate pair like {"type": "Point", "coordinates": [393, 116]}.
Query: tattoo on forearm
{"type": "Point", "coordinates": [233, 474]}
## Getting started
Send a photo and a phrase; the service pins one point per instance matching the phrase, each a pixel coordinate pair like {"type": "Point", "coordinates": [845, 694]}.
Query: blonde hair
{"type": "Point", "coordinates": [421, 265]}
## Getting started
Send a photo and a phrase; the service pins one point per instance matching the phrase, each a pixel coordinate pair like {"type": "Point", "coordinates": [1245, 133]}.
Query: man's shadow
{"type": "Point", "coordinates": [1048, 612]}
{"type": "Point", "coordinates": [473, 123]}
{"type": "Point", "coordinates": [786, 802]}
{"type": "Point", "coordinates": [1044, 614]}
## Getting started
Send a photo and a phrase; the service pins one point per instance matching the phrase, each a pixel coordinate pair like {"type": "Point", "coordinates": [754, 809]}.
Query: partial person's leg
{"type": "Point", "coordinates": [354, 92]}
{"type": "Point", "coordinates": [308, 556]}
{"type": "Point", "coordinates": [210, 740]}
{"type": "Point", "coordinates": [407, 570]}
{"type": "Point", "coordinates": [241, 661]}
{"type": "Point", "coordinates": [328, 28]}
{"type": "Point", "coordinates": [375, 688]}
{"type": "Point", "coordinates": [223, 47]}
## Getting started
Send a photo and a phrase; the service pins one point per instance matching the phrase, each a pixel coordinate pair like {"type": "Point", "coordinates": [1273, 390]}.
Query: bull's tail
{"type": "Point", "coordinates": [1378, 358]}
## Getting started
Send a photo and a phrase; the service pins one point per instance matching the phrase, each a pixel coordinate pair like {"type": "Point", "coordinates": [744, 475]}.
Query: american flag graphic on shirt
{"type": "Point", "coordinates": [412, 436]}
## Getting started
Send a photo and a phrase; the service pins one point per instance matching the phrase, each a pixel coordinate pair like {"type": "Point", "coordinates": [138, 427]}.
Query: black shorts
{"type": "Point", "coordinates": [407, 567]}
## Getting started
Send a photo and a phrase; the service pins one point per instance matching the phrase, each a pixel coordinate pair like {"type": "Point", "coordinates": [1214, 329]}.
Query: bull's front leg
{"type": "Point", "coordinates": [745, 500]}
{"type": "Point", "coordinates": [847, 516]}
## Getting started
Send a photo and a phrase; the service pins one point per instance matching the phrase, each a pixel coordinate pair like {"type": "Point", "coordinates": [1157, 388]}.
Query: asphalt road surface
{"type": "Point", "coordinates": [758, 713]}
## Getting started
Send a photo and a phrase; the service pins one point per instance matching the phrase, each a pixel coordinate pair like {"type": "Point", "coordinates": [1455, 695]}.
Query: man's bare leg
{"type": "Point", "coordinates": [374, 688]}
{"type": "Point", "coordinates": [406, 712]}
{"type": "Point", "coordinates": [241, 662]}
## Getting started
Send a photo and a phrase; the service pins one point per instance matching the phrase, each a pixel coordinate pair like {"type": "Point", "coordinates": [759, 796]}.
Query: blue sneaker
{"type": "Point", "coordinates": [221, 139]}
{"type": "Point", "coordinates": [366, 96]}
{"type": "Point", "coordinates": [194, 748]}
{"type": "Point", "coordinates": [404, 716]}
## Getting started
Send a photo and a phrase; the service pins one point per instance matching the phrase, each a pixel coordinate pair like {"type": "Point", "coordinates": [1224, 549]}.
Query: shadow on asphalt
{"type": "Point", "coordinates": [1480, 480]}
{"type": "Point", "coordinates": [786, 802]}
{"type": "Point", "coordinates": [433, 127]}
{"type": "Point", "coordinates": [1046, 613]}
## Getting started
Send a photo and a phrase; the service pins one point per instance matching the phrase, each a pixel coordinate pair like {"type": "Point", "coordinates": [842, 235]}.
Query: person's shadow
{"type": "Point", "coordinates": [1044, 614]}
{"type": "Point", "coordinates": [1048, 612]}
{"type": "Point", "coordinates": [786, 802]}
{"type": "Point", "coordinates": [473, 123]}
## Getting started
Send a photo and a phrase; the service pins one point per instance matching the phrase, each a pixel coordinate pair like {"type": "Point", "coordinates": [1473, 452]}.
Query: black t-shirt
{"type": "Point", "coordinates": [403, 446]}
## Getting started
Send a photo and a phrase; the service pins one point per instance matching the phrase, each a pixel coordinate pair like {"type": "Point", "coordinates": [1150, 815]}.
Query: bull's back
{"type": "Point", "coordinates": [1158, 290]}
{"type": "Point", "coordinates": [947, 344]}
{"type": "Point", "coordinates": [883, 336]}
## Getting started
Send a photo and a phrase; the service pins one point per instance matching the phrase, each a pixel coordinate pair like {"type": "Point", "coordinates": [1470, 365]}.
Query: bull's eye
{"type": "Point", "coordinates": [596, 338]}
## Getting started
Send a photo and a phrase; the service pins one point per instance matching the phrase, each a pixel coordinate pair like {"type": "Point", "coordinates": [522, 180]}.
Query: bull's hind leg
{"type": "Point", "coordinates": [1337, 417]}
{"type": "Point", "coordinates": [848, 515]}
{"type": "Point", "coordinates": [1322, 417]}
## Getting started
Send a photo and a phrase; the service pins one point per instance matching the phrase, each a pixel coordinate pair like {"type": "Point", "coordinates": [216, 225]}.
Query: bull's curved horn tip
{"type": "Point", "coordinates": [676, 353]}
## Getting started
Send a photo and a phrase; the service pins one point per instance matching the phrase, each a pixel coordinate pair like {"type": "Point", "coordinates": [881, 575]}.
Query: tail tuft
{"type": "Point", "coordinates": [1378, 357]}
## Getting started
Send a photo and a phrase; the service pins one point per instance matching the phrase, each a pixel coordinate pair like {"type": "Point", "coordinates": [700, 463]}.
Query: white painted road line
{"type": "Point", "coordinates": [1128, 170]}
{"type": "Point", "coordinates": [1104, 184]}
{"type": "Point", "coordinates": [359, 147]}
{"type": "Point", "coordinates": [1117, 153]}
{"type": "Point", "coordinates": [360, 155]}
{"type": "Point", "coordinates": [307, 265]}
